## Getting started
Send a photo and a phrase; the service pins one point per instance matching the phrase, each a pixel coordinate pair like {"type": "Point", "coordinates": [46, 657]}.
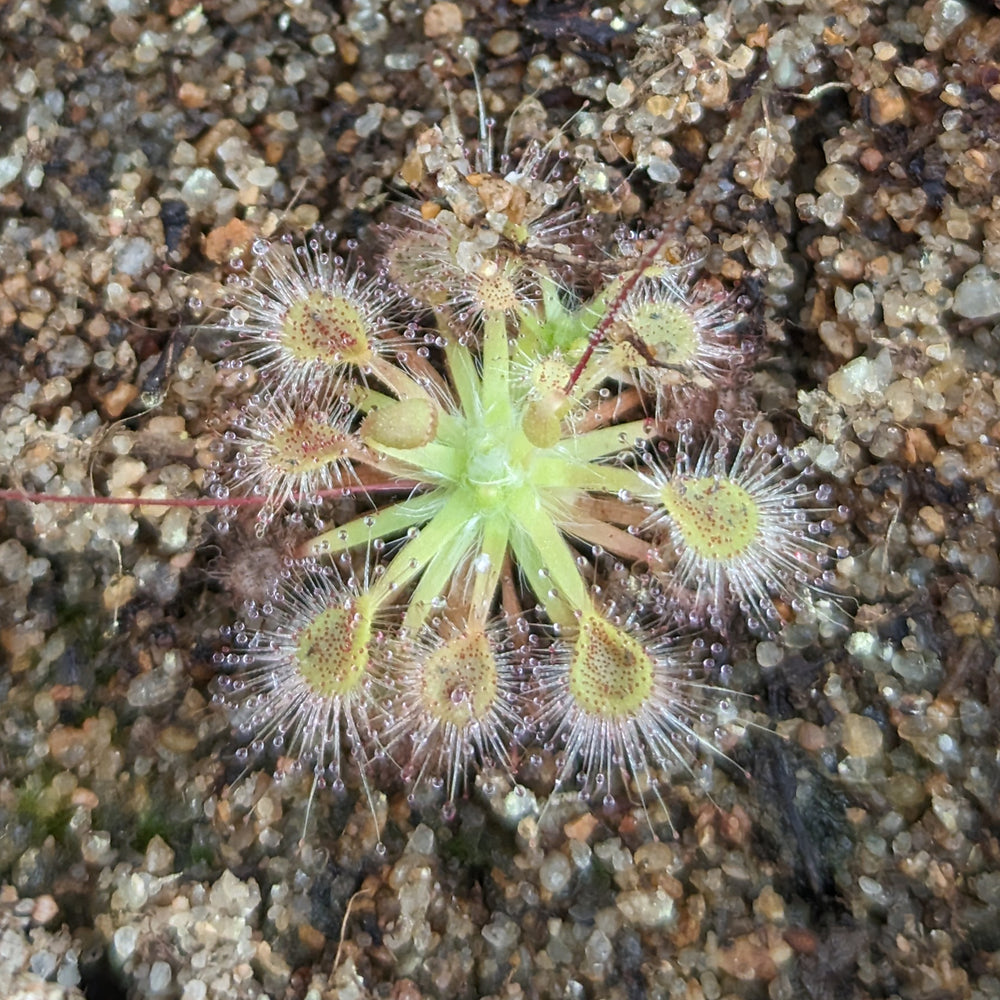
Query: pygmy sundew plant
{"type": "Point", "coordinates": [510, 441]}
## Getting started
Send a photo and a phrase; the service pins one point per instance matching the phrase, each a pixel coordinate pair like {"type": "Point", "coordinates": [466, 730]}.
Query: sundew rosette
{"type": "Point", "coordinates": [513, 454]}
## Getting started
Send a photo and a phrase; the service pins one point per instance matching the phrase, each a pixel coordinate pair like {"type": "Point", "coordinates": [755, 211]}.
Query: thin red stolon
{"type": "Point", "coordinates": [26, 496]}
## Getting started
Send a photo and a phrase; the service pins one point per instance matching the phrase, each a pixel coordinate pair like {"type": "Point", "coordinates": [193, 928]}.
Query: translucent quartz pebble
{"type": "Point", "coordinates": [978, 295]}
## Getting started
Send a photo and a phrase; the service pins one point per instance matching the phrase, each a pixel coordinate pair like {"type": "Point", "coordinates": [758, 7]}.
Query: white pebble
{"type": "Point", "coordinates": [195, 989]}
{"type": "Point", "coordinates": [159, 977]}
{"type": "Point", "coordinates": [978, 295]}
{"type": "Point", "coordinates": [124, 942]}
{"type": "Point", "coordinates": [555, 872]}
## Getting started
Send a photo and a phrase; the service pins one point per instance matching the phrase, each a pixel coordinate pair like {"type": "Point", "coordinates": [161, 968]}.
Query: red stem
{"type": "Point", "coordinates": [597, 334]}
{"type": "Point", "coordinates": [340, 491]}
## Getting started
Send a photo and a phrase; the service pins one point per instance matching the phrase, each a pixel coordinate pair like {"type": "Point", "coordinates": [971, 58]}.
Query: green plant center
{"type": "Point", "coordinates": [331, 652]}
{"type": "Point", "coordinates": [491, 470]}
{"type": "Point", "coordinates": [667, 331]}
{"type": "Point", "coordinates": [717, 518]}
{"type": "Point", "coordinates": [321, 327]}
{"type": "Point", "coordinates": [610, 674]}
{"type": "Point", "coordinates": [460, 680]}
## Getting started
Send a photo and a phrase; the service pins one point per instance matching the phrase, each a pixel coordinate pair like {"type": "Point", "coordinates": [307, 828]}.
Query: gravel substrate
{"type": "Point", "coordinates": [836, 162]}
